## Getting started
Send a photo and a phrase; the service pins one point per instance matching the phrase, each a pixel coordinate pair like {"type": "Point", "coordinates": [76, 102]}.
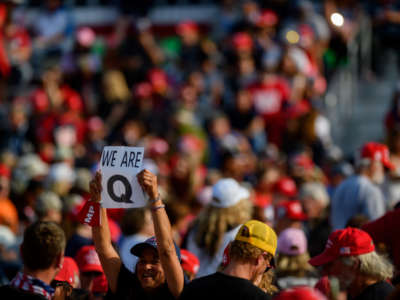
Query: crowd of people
{"type": "Point", "coordinates": [249, 197]}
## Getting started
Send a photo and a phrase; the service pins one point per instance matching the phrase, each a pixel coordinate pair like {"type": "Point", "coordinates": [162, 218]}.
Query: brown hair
{"type": "Point", "coordinates": [43, 243]}
{"type": "Point", "coordinates": [214, 222]}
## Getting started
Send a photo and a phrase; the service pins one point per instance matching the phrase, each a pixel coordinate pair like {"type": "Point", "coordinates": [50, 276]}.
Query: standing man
{"type": "Point", "coordinates": [350, 256]}
{"type": "Point", "coordinates": [360, 194]}
{"type": "Point", "coordinates": [158, 273]}
{"type": "Point", "coordinates": [42, 253]}
{"type": "Point", "coordinates": [251, 254]}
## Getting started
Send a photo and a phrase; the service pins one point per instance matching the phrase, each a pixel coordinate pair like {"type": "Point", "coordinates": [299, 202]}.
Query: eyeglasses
{"type": "Point", "coordinates": [64, 284]}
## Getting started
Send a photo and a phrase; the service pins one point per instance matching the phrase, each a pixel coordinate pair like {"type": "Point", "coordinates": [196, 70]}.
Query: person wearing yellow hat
{"type": "Point", "coordinates": [250, 255]}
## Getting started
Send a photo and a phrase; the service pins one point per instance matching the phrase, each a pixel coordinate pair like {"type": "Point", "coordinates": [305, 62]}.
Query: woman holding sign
{"type": "Point", "coordinates": [158, 272]}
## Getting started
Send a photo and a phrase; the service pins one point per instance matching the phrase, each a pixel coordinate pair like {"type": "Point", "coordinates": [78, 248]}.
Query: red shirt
{"type": "Point", "coordinates": [269, 96]}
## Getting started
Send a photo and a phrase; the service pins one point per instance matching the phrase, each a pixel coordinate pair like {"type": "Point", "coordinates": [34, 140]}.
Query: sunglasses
{"type": "Point", "coordinates": [64, 284]}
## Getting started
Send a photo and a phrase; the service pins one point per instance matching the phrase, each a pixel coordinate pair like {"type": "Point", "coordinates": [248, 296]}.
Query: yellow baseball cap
{"type": "Point", "coordinates": [258, 234]}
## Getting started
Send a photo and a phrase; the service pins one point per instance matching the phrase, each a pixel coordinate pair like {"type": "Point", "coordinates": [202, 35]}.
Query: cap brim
{"type": "Point", "coordinates": [321, 259]}
{"type": "Point", "coordinates": [91, 268]}
{"type": "Point", "coordinates": [138, 248]}
{"type": "Point", "coordinates": [299, 217]}
{"type": "Point", "coordinates": [389, 165]}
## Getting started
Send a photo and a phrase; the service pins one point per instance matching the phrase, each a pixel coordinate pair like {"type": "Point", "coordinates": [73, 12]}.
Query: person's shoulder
{"type": "Point", "coordinates": [379, 290]}
{"type": "Point", "coordinates": [9, 292]}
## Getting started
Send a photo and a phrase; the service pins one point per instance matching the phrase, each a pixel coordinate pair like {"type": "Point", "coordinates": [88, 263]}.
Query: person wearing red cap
{"type": "Point", "coordinates": [350, 256]}
{"type": "Point", "coordinates": [360, 194]}
{"type": "Point", "coordinates": [89, 266]}
{"type": "Point", "coordinates": [66, 279]}
{"type": "Point", "coordinates": [289, 214]}
{"type": "Point", "coordinates": [190, 264]}
{"type": "Point", "coordinates": [158, 273]}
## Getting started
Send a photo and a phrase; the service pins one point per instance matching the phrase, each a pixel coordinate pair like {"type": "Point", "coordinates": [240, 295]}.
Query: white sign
{"type": "Point", "coordinates": [119, 167]}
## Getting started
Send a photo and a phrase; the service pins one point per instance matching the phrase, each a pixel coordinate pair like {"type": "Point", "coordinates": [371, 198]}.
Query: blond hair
{"type": "Point", "coordinates": [293, 265]}
{"type": "Point", "coordinates": [214, 222]}
{"type": "Point", "coordinates": [266, 283]}
{"type": "Point", "coordinates": [239, 250]}
{"type": "Point", "coordinates": [372, 265]}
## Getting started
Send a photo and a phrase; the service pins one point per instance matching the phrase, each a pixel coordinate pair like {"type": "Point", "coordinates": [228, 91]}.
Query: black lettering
{"type": "Point", "coordinates": [124, 160]}
{"type": "Point", "coordinates": [124, 198]}
{"type": "Point", "coordinates": [113, 158]}
{"type": "Point", "coordinates": [138, 159]}
{"type": "Point", "coordinates": [131, 159]}
{"type": "Point", "coordinates": [105, 159]}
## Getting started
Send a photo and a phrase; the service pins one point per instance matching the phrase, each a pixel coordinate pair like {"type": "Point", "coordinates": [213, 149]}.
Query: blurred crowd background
{"type": "Point", "coordinates": [211, 89]}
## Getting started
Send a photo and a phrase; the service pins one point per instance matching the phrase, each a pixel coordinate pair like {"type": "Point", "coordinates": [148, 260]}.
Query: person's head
{"type": "Point", "coordinates": [48, 207]}
{"type": "Point", "coordinates": [66, 279]}
{"type": "Point", "coordinates": [284, 188]}
{"type": "Point", "coordinates": [228, 208]}
{"type": "Point", "coordinates": [373, 160]}
{"type": "Point", "coordinates": [149, 270]}
{"type": "Point", "coordinates": [255, 244]}
{"type": "Point", "coordinates": [292, 254]}
{"type": "Point", "coordinates": [289, 214]}
{"type": "Point", "coordinates": [314, 199]}
{"type": "Point", "coordinates": [89, 266]}
{"type": "Point", "coordinates": [43, 247]}
{"type": "Point", "coordinates": [190, 264]}
{"type": "Point", "coordinates": [137, 220]}
{"type": "Point", "coordinates": [189, 32]}
{"type": "Point", "coordinates": [350, 256]}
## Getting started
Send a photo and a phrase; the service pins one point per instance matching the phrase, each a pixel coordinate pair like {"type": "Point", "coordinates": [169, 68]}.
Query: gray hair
{"type": "Point", "coordinates": [372, 265]}
{"type": "Point", "coordinates": [47, 201]}
{"type": "Point", "coordinates": [315, 191]}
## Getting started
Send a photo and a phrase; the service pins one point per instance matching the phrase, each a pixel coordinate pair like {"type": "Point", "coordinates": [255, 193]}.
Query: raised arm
{"type": "Point", "coordinates": [162, 227]}
{"type": "Point", "coordinates": [109, 258]}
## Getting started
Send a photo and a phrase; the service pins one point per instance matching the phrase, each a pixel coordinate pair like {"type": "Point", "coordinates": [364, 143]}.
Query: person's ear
{"type": "Point", "coordinates": [59, 260]}
{"type": "Point", "coordinates": [259, 260]}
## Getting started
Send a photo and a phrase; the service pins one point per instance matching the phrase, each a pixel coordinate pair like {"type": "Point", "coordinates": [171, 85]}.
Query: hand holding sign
{"type": "Point", "coordinates": [95, 187]}
{"type": "Point", "coordinates": [148, 181]}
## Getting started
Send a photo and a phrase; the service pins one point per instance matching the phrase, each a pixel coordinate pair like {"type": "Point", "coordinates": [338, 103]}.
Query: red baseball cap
{"type": "Point", "coordinates": [189, 262]}
{"type": "Point", "coordinates": [187, 26]}
{"type": "Point", "coordinates": [69, 272]}
{"type": "Point", "coordinates": [344, 242]}
{"type": "Point", "coordinates": [88, 260]}
{"type": "Point", "coordinates": [242, 41]}
{"type": "Point", "coordinates": [290, 209]}
{"type": "Point", "coordinates": [300, 293]}
{"type": "Point", "coordinates": [377, 151]}
{"type": "Point", "coordinates": [267, 18]}
{"type": "Point", "coordinates": [286, 186]}
{"type": "Point", "coordinates": [100, 284]}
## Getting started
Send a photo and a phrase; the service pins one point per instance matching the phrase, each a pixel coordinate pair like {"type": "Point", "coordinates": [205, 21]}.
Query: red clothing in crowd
{"type": "Point", "coordinates": [386, 230]}
{"type": "Point", "coordinates": [269, 98]}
